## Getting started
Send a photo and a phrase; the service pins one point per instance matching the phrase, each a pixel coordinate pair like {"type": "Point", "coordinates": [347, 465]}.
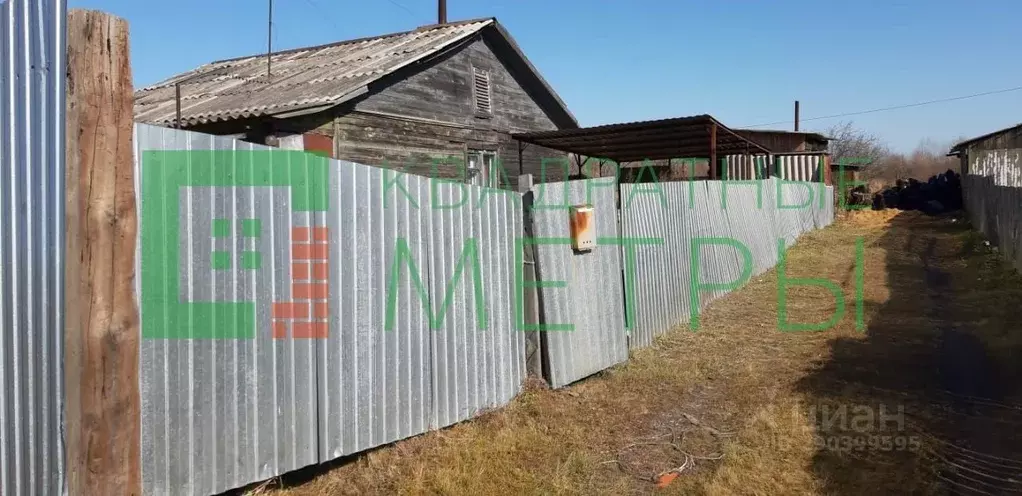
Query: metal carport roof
{"type": "Point", "coordinates": [699, 136]}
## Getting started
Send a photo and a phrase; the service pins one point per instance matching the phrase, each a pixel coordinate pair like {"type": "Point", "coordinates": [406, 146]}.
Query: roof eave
{"type": "Point", "coordinates": [968, 142]}
{"type": "Point", "coordinates": [543, 82]}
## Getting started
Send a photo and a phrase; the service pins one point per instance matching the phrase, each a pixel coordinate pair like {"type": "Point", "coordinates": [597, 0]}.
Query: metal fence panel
{"type": "Point", "coordinates": [367, 266]}
{"type": "Point", "coordinates": [479, 352]}
{"type": "Point", "coordinates": [749, 215]}
{"type": "Point", "coordinates": [32, 71]}
{"type": "Point", "coordinates": [375, 380]}
{"type": "Point", "coordinates": [592, 300]}
{"type": "Point", "coordinates": [718, 261]}
{"type": "Point", "coordinates": [713, 213]}
{"type": "Point", "coordinates": [667, 218]}
{"type": "Point", "coordinates": [217, 413]}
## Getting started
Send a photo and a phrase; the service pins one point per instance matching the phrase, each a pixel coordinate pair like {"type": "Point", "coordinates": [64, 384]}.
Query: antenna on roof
{"type": "Point", "coordinates": [269, 40]}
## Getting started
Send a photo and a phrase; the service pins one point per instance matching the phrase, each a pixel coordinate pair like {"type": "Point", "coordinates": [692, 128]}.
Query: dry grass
{"type": "Point", "coordinates": [731, 403]}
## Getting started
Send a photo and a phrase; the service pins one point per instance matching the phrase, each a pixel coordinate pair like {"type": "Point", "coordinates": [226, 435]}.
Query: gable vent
{"type": "Point", "coordinates": [482, 90]}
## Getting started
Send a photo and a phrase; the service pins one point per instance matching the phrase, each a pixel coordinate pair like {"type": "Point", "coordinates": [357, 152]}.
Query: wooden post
{"type": "Point", "coordinates": [530, 298]}
{"type": "Point", "coordinates": [713, 152]}
{"type": "Point", "coordinates": [828, 178]}
{"type": "Point", "coordinates": [102, 328]}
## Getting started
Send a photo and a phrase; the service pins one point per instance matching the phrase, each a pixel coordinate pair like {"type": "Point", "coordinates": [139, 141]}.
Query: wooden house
{"type": "Point", "coordinates": [441, 100]}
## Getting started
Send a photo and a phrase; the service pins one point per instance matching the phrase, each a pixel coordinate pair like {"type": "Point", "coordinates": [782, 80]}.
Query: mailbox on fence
{"type": "Point", "coordinates": [583, 228]}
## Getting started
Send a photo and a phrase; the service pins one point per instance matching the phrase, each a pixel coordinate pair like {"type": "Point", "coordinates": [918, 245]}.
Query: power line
{"type": "Point", "coordinates": [326, 15]}
{"type": "Point", "coordinates": [406, 9]}
{"type": "Point", "coordinates": [896, 107]}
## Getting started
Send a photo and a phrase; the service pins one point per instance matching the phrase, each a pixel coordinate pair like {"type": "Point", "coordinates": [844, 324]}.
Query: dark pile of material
{"type": "Point", "coordinates": [941, 193]}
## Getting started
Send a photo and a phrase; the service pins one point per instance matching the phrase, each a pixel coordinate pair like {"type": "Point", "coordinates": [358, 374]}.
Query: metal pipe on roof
{"type": "Point", "coordinates": [441, 15]}
{"type": "Point", "coordinates": [796, 116]}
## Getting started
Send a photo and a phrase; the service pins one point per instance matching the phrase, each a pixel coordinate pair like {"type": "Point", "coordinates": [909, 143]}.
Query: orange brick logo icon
{"type": "Point", "coordinates": [307, 314]}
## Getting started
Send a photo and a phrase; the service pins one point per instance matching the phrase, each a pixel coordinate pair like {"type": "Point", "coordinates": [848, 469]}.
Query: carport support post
{"type": "Point", "coordinates": [714, 173]}
{"type": "Point", "coordinates": [827, 173]}
{"type": "Point", "coordinates": [747, 163]}
{"type": "Point", "coordinates": [530, 298]}
{"type": "Point", "coordinates": [102, 421]}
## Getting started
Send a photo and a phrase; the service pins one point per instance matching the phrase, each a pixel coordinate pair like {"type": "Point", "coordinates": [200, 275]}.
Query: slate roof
{"type": "Point", "coordinates": [304, 79]}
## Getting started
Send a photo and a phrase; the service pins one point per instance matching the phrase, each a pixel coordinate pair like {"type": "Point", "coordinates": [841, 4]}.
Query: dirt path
{"type": "Point", "coordinates": [974, 461]}
{"type": "Point", "coordinates": [925, 398]}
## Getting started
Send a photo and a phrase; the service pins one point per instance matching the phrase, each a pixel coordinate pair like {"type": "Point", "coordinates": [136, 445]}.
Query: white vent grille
{"type": "Point", "coordinates": [482, 90]}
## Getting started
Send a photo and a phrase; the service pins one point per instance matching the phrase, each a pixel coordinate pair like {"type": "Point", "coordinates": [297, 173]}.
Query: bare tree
{"type": "Point", "coordinates": [930, 158]}
{"type": "Point", "coordinates": [851, 144]}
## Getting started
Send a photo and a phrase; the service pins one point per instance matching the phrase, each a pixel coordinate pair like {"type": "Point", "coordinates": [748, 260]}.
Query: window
{"type": "Point", "coordinates": [481, 90]}
{"type": "Point", "coordinates": [481, 168]}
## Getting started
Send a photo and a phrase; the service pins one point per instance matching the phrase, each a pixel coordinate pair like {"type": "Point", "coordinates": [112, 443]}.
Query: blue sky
{"type": "Point", "coordinates": [744, 62]}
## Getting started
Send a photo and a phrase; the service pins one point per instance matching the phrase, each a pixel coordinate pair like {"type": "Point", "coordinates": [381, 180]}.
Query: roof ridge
{"type": "Point", "coordinates": [231, 88]}
{"type": "Point", "coordinates": [429, 27]}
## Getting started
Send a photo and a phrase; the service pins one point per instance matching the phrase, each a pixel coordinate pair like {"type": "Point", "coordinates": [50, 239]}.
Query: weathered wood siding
{"type": "Point", "coordinates": [1004, 140]}
{"type": "Point", "coordinates": [1008, 139]}
{"type": "Point", "coordinates": [423, 120]}
{"type": "Point", "coordinates": [778, 142]}
{"type": "Point", "coordinates": [431, 114]}
{"type": "Point", "coordinates": [784, 142]}
{"type": "Point", "coordinates": [404, 144]}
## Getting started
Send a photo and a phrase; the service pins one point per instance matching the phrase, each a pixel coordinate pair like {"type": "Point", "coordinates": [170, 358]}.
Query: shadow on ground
{"type": "Point", "coordinates": [931, 400]}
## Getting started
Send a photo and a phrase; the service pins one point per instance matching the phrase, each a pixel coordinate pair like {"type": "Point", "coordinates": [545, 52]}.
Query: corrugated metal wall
{"type": "Point", "coordinates": [32, 70]}
{"type": "Point", "coordinates": [591, 299]}
{"type": "Point", "coordinates": [800, 166]}
{"type": "Point", "coordinates": [746, 167]}
{"type": "Point", "coordinates": [992, 191]}
{"type": "Point", "coordinates": [220, 413]}
{"type": "Point", "coordinates": [690, 210]}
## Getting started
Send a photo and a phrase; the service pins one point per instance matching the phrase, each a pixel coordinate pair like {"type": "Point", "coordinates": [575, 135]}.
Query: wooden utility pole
{"type": "Point", "coordinates": [101, 336]}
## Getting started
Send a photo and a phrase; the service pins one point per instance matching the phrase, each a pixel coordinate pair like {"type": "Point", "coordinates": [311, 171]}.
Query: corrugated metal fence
{"type": "Point", "coordinates": [719, 219]}
{"type": "Point", "coordinates": [283, 322]}
{"type": "Point", "coordinates": [296, 309]}
{"type": "Point", "coordinates": [662, 225]}
{"type": "Point", "coordinates": [31, 245]}
{"type": "Point", "coordinates": [992, 191]}
{"type": "Point", "coordinates": [582, 295]}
